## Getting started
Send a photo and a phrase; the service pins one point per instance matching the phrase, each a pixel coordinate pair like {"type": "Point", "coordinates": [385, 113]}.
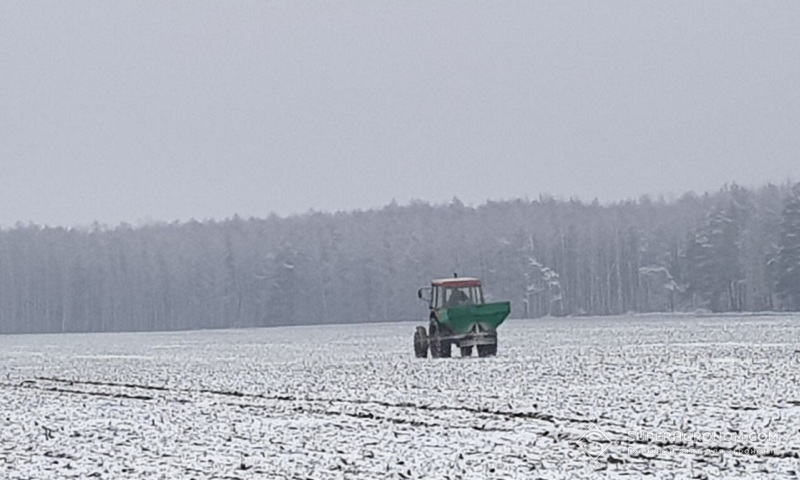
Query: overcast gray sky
{"type": "Point", "coordinates": [128, 111]}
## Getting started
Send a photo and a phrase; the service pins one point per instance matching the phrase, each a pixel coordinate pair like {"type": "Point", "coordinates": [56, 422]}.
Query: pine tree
{"type": "Point", "coordinates": [789, 252]}
{"type": "Point", "coordinates": [713, 258]}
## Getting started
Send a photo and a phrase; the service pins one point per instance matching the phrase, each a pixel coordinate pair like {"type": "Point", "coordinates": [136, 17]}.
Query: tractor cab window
{"type": "Point", "coordinates": [456, 296]}
{"type": "Point", "coordinates": [476, 294]}
{"type": "Point", "coordinates": [463, 296]}
{"type": "Point", "coordinates": [437, 301]}
{"type": "Point", "coordinates": [444, 296]}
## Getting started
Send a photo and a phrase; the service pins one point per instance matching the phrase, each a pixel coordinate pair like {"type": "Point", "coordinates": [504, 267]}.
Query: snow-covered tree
{"type": "Point", "coordinates": [658, 288]}
{"type": "Point", "coordinates": [730, 250]}
{"type": "Point", "coordinates": [714, 259]}
{"type": "Point", "coordinates": [789, 252]}
{"type": "Point", "coordinates": [544, 290]}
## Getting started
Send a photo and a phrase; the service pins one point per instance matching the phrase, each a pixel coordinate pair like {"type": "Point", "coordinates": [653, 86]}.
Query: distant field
{"type": "Point", "coordinates": [591, 397]}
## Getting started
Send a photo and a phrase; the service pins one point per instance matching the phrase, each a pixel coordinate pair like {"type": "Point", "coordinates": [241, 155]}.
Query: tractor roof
{"type": "Point", "coordinates": [457, 282]}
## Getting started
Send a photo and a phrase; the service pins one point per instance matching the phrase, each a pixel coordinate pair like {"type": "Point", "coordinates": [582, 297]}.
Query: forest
{"type": "Point", "coordinates": [735, 250]}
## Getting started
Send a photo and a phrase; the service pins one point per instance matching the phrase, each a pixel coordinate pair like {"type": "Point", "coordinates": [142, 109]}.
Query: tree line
{"type": "Point", "coordinates": [734, 250]}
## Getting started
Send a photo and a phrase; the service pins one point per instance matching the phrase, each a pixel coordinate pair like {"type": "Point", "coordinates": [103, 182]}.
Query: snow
{"type": "Point", "coordinates": [353, 402]}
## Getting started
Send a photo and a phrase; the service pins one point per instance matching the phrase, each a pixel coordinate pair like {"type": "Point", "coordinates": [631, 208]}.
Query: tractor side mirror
{"type": "Point", "coordinates": [421, 294]}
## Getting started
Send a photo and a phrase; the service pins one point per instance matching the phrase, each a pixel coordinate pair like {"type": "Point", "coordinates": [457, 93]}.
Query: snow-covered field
{"type": "Point", "coordinates": [565, 398]}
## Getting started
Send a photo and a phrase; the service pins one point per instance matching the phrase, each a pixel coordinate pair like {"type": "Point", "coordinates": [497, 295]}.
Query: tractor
{"type": "Point", "coordinates": [459, 316]}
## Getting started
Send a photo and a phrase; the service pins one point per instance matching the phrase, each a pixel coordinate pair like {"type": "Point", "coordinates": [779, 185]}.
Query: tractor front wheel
{"type": "Point", "coordinates": [421, 342]}
{"type": "Point", "coordinates": [445, 348]}
{"type": "Point", "coordinates": [439, 348]}
{"type": "Point", "coordinates": [433, 340]}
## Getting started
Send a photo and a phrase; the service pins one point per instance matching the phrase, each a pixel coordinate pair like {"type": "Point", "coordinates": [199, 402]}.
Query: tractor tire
{"type": "Point", "coordinates": [433, 340]}
{"type": "Point", "coordinates": [466, 351]}
{"type": "Point", "coordinates": [445, 350]}
{"type": "Point", "coordinates": [421, 343]}
{"type": "Point", "coordinates": [439, 348]}
{"type": "Point", "coordinates": [488, 350]}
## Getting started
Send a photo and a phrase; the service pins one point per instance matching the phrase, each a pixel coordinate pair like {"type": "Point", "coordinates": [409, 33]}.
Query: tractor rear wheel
{"type": "Point", "coordinates": [485, 350]}
{"type": "Point", "coordinates": [420, 342]}
{"type": "Point", "coordinates": [488, 350]}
